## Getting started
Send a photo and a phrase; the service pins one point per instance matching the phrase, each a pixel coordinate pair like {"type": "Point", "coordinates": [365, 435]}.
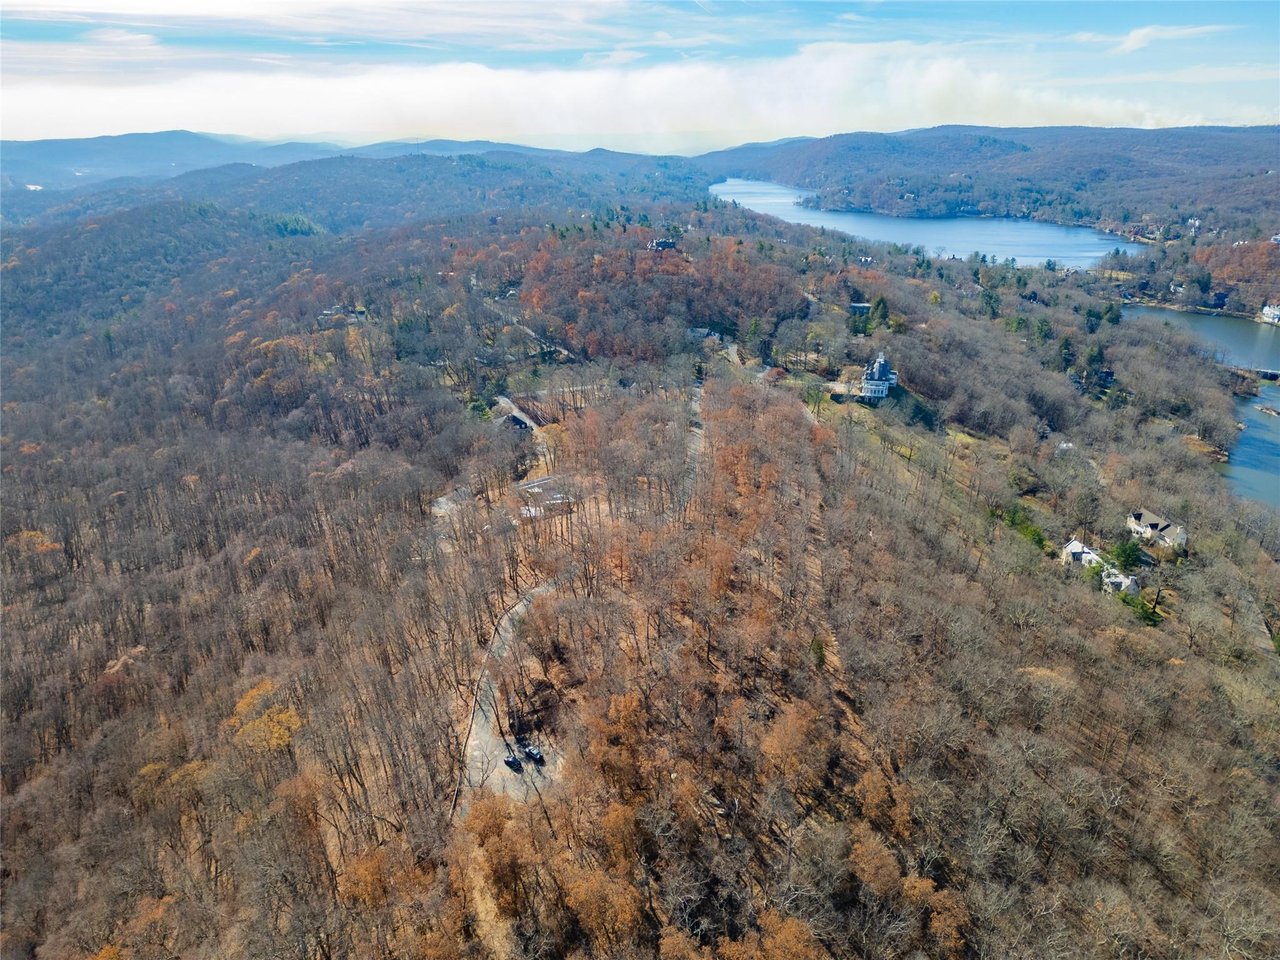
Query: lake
{"type": "Point", "coordinates": [1254, 468]}
{"type": "Point", "coordinates": [1027, 241]}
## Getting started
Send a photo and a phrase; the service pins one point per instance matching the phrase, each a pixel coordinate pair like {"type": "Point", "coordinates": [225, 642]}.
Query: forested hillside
{"type": "Point", "coordinates": [348, 193]}
{"type": "Point", "coordinates": [91, 161]}
{"type": "Point", "coordinates": [1124, 177]}
{"type": "Point", "coordinates": [328, 488]}
{"type": "Point", "coordinates": [1204, 199]}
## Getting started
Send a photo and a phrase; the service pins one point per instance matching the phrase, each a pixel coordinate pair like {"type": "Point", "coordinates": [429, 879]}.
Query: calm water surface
{"type": "Point", "coordinates": [1254, 469]}
{"type": "Point", "coordinates": [1237, 341]}
{"type": "Point", "coordinates": [1026, 241]}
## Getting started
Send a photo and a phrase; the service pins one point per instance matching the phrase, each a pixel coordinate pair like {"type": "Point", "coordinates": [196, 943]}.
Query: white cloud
{"type": "Point", "coordinates": [94, 55]}
{"type": "Point", "coordinates": [120, 38]}
{"type": "Point", "coordinates": [614, 58]}
{"type": "Point", "coordinates": [1141, 37]}
{"type": "Point", "coordinates": [554, 24]}
{"type": "Point", "coordinates": [1145, 36]}
{"type": "Point", "coordinates": [1198, 75]}
{"type": "Point", "coordinates": [685, 106]}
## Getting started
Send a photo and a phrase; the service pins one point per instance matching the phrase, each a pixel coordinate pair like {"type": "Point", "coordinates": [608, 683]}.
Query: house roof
{"type": "Point", "coordinates": [879, 369]}
{"type": "Point", "coordinates": [511, 421]}
{"type": "Point", "coordinates": [1088, 555]}
{"type": "Point", "coordinates": [1150, 520]}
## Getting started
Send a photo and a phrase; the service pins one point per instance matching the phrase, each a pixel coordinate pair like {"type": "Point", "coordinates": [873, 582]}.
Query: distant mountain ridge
{"type": "Point", "coordinates": [1149, 184]}
{"type": "Point", "coordinates": [948, 148]}
{"type": "Point", "coordinates": [347, 193]}
{"type": "Point", "coordinates": [71, 163]}
{"type": "Point", "coordinates": [64, 164]}
{"type": "Point", "coordinates": [68, 164]}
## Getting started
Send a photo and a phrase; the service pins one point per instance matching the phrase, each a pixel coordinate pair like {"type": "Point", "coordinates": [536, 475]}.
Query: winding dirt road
{"type": "Point", "coordinates": [487, 739]}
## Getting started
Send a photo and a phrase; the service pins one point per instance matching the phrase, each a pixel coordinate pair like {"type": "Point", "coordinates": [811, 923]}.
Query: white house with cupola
{"type": "Point", "coordinates": [877, 379]}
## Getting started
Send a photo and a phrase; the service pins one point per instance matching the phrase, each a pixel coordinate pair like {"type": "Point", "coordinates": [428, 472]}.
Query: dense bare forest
{"type": "Point", "coordinates": [320, 507]}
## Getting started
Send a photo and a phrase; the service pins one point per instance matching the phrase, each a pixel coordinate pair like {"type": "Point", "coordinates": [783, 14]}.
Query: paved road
{"type": "Point", "coordinates": [488, 739]}
{"type": "Point", "coordinates": [693, 451]}
{"type": "Point", "coordinates": [512, 313]}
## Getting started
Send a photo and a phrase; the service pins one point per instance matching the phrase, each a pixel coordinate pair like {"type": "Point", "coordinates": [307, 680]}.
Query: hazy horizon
{"type": "Point", "coordinates": [664, 78]}
{"type": "Point", "coordinates": [345, 142]}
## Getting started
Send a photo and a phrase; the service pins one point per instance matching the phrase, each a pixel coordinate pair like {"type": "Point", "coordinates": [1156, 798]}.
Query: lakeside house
{"type": "Point", "coordinates": [1113, 581]}
{"type": "Point", "coordinates": [1156, 530]}
{"type": "Point", "coordinates": [1271, 314]}
{"type": "Point", "coordinates": [878, 377]}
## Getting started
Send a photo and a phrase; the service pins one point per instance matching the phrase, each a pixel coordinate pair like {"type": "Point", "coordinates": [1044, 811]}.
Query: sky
{"type": "Point", "coordinates": [655, 77]}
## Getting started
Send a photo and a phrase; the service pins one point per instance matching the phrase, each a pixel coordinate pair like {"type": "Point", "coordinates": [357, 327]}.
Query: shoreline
{"type": "Point", "coordinates": [810, 200]}
{"type": "Point", "coordinates": [963, 216]}
{"type": "Point", "coordinates": [812, 193]}
{"type": "Point", "coordinates": [1141, 240]}
{"type": "Point", "coordinates": [1261, 430]}
{"type": "Point", "coordinates": [1199, 311]}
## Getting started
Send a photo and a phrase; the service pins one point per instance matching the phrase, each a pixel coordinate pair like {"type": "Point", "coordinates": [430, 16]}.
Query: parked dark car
{"type": "Point", "coordinates": [533, 753]}
{"type": "Point", "coordinates": [512, 761]}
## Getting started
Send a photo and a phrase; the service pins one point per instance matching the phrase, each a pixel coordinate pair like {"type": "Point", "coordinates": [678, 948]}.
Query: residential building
{"type": "Point", "coordinates": [877, 379]}
{"type": "Point", "coordinates": [1113, 581]}
{"type": "Point", "coordinates": [512, 422]}
{"type": "Point", "coordinates": [1156, 530]}
{"type": "Point", "coordinates": [1077, 552]}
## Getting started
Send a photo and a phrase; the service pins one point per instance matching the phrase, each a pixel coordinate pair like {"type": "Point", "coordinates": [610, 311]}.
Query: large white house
{"type": "Point", "coordinates": [1156, 530]}
{"type": "Point", "coordinates": [877, 379]}
{"type": "Point", "coordinates": [1113, 581]}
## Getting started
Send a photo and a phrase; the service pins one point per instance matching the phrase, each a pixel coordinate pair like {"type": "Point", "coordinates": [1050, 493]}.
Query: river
{"type": "Point", "coordinates": [1237, 341]}
{"type": "Point", "coordinates": [1254, 469]}
{"type": "Point", "coordinates": [1027, 241]}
